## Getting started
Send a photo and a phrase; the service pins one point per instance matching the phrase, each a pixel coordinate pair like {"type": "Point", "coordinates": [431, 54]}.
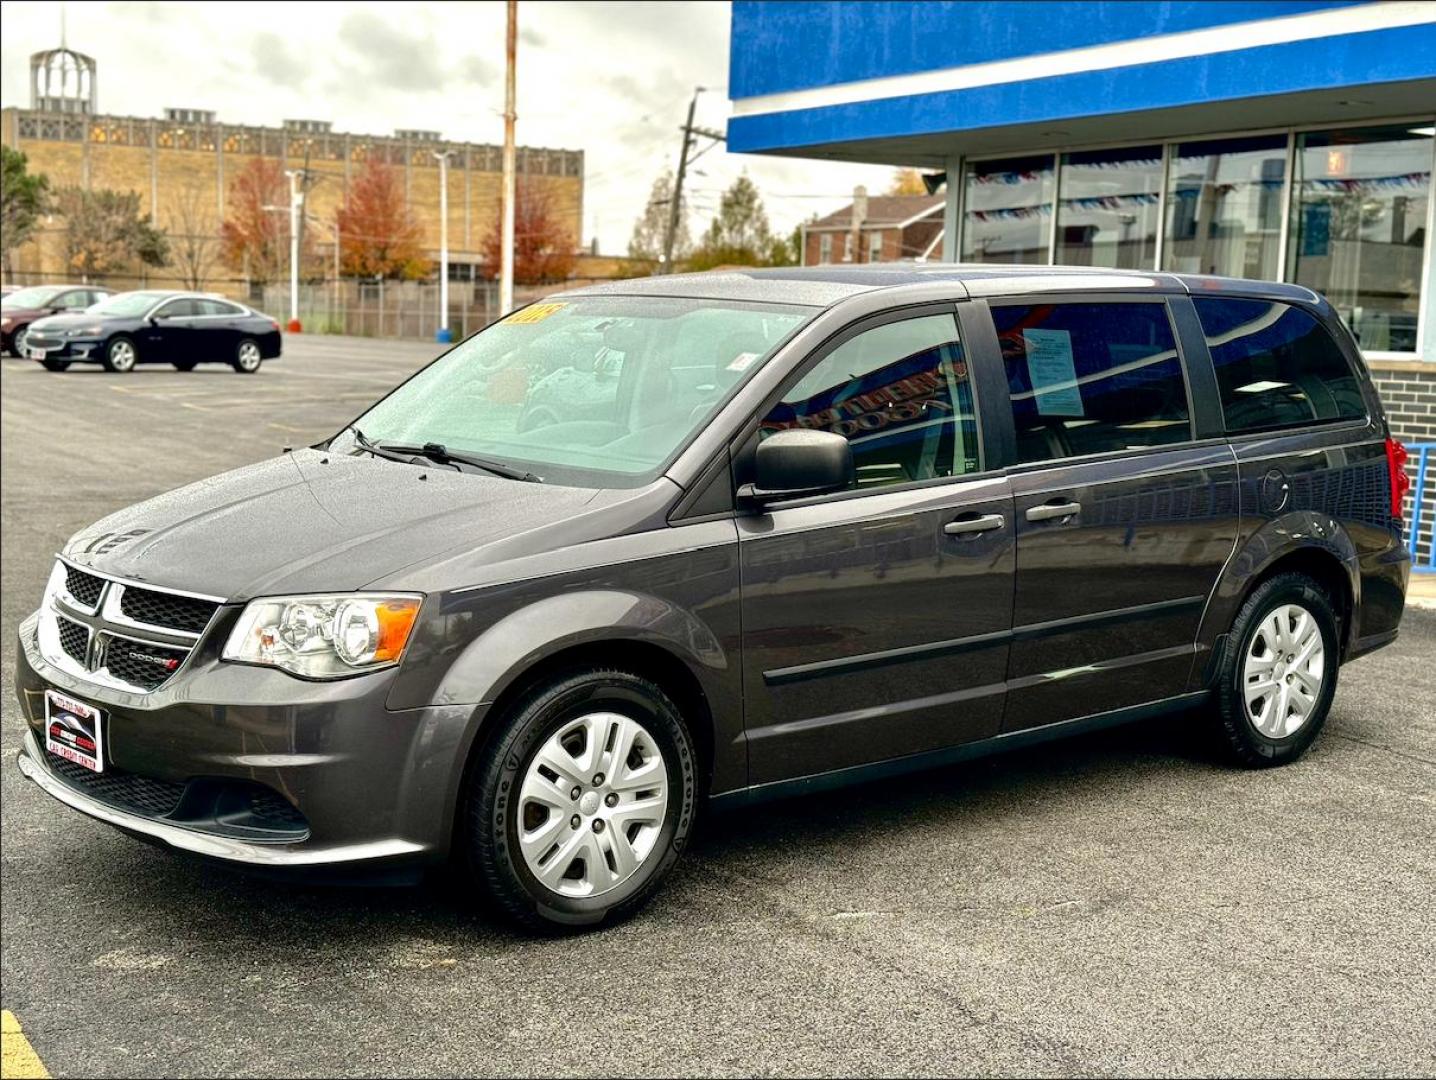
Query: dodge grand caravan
{"type": "Point", "coordinates": [787, 530]}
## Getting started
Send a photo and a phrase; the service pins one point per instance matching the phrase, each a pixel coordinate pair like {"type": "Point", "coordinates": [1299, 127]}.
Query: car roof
{"type": "Point", "coordinates": [823, 286]}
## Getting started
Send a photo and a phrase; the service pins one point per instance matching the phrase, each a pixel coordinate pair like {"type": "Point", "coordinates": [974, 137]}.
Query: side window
{"type": "Point", "coordinates": [1091, 378]}
{"type": "Point", "coordinates": [1277, 366]}
{"type": "Point", "coordinates": [177, 309]}
{"type": "Point", "coordinates": [216, 307]}
{"type": "Point", "coordinates": [899, 393]}
{"type": "Point", "coordinates": [74, 300]}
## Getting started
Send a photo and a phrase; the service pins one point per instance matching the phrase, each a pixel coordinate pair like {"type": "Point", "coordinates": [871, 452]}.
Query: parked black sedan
{"type": "Point", "coordinates": [156, 327]}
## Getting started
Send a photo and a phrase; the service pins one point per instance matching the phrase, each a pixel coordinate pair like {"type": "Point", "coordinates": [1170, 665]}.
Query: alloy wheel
{"type": "Point", "coordinates": [249, 356]}
{"type": "Point", "coordinates": [122, 355]}
{"type": "Point", "coordinates": [592, 804]}
{"type": "Point", "coordinates": [21, 337]}
{"type": "Point", "coordinates": [1283, 671]}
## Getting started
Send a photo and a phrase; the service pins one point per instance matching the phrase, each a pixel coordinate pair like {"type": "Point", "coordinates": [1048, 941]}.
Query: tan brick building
{"type": "Point", "coordinates": [190, 157]}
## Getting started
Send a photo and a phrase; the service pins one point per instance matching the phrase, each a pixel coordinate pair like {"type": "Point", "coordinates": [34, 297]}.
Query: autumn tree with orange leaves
{"type": "Point", "coordinates": [378, 234]}
{"type": "Point", "coordinates": [543, 248]}
{"type": "Point", "coordinates": [253, 240]}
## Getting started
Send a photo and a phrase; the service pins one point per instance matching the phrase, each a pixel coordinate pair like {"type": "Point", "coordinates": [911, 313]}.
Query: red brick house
{"type": "Point", "coordinates": [893, 227]}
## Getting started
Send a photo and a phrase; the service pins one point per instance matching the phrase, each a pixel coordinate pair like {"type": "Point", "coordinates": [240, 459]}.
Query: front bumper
{"type": "Point", "coordinates": [75, 349]}
{"type": "Point", "coordinates": [369, 785]}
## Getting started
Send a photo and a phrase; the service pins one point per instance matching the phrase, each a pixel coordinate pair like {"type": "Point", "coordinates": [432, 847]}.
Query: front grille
{"type": "Point", "coordinates": [273, 809]}
{"type": "Point", "coordinates": [74, 639]}
{"type": "Point", "coordinates": [145, 664]}
{"type": "Point", "coordinates": [166, 609]}
{"type": "Point", "coordinates": [83, 587]}
{"type": "Point", "coordinates": [140, 794]}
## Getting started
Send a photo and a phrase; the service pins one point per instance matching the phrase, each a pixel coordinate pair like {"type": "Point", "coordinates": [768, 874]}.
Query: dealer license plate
{"type": "Point", "coordinates": [37, 354]}
{"type": "Point", "coordinates": [74, 731]}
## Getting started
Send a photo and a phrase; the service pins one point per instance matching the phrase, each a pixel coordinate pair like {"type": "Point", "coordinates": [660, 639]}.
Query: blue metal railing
{"type": "Point", "coordinates": [1424, 455]}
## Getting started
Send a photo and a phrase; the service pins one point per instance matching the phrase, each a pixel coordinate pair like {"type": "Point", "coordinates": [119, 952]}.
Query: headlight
{"type": "Point", "coordinates": [324, 637]}
{"type": "Point", "coordinates": [4, 324]}
{"type": "Point", "coordinates": [85, 331]}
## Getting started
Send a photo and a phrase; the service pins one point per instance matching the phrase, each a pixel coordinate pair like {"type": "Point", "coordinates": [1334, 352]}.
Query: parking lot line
{"type": "Point", "coordinates": [17, 1057]}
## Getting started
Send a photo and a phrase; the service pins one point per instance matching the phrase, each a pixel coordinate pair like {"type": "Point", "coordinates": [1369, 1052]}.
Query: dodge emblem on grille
{"type": "Point", "coordinates": [169, 663]}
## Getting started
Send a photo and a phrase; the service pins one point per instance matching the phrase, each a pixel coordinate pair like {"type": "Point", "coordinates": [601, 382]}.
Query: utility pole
{"type": "Point", "coordinates": [506, 243]}
{"type": "Point", "coordinates": [296, 203]}
{"type": "Point", "coordinates": [443, 337]}
{"type": "Point", "coordinates": [675, 207]}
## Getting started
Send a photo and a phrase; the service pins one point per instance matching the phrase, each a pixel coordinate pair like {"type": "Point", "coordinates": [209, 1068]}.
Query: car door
{"type": "Point", "coordinates": [875, 620]}
{"type": "Point", "coordinates": [166, 334]}
{"type": "Point", "coordinates": [1125, 508]}
{"type": "Point", "coordinates": [218, 330]}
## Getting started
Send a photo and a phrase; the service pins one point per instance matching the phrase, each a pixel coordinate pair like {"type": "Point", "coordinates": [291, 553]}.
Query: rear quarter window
{"type": "Point", "coordinates": [1277, 366]}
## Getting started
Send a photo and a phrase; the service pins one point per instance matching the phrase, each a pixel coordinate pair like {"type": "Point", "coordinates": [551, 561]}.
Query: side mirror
{"type": "Point", "coordinates": [798, 462]}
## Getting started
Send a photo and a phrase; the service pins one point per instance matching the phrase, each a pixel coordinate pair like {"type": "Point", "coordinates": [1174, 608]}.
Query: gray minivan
{"type": "Point", "coordinates": [779, 530]}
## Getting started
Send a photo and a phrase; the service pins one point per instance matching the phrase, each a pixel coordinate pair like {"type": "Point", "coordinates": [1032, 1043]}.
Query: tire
{"type": "Point", "coordinates": [564, 719]}
{"type": "Point", "coordinates": [55, 365]}
{"type": "Point", "coordinates": [1271, 719]}
{"type": "Point", "coordinates": [247, 357]}
{"type": "Point", "coordinates": [17, 342]}
{"type": "Point", "coordinates": [121, 355]}
{"type": "Point", "coordinates": [184, 365]}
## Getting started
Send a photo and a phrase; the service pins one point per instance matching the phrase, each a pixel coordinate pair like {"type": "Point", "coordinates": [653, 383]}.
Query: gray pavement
{"type": "Point", "coordinates": [1118, 904]}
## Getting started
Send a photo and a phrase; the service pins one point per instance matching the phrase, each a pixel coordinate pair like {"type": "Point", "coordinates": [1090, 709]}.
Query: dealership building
{"type": "Point", "coordinates": [1287, 140]}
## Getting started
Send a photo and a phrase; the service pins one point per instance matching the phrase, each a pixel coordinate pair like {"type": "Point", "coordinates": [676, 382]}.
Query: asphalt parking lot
{"type": "Point", "coordinates": [1118, 904]}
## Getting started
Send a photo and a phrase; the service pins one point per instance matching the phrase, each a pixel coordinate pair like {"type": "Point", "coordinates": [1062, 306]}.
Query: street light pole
{"type": "Point", "coordinates": [443, 337]}
{"type": "Point", "coordinates": [296, 202]}
{"type": "Point", "coordinates": [506, 242]}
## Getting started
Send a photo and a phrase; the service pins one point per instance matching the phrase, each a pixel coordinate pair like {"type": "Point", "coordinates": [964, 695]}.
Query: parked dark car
{"type": "Point", "coordinates": [20, 308]}
{"type": "Point", "coordinates": [829, 524]}
{"type": "Point", "coordinates": [156, 327]}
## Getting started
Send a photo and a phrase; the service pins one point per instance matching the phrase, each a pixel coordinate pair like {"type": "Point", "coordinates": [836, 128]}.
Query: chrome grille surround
{"type": "Point", "coordinates": [107, 625]}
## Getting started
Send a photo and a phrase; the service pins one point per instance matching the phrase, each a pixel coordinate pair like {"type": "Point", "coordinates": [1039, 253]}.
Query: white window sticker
{"type": "Point", "coordinates": [742, 361]}
{"type": "Point", "coordinates": [1054, 376]}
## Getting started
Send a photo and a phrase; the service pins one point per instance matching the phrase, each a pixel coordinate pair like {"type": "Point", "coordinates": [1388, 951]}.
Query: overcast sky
{"type": "Point", "coordinates": [611, 79]}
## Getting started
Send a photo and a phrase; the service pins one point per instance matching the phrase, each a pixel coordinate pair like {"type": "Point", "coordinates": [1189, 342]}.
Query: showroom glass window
{"type": "Point", "coordinates": [1277, 366]}
{"type": "Point", "coordinates": [1224, 202]}
{"type": "Point", "coordinates": [1360, 202]}
{"type": "Point", "coordinates": [1091, 378]}
{"type": "Point", "coordinates": [1007, 215]}
{"type": "Point", "coordinates": [899, 393]}
{"type": "Point", "coordinates": [1108, 212]}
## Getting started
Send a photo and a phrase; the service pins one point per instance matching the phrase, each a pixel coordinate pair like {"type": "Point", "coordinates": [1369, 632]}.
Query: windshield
{"type": "Point", "coordinates": [130, 303]}
{"type": "Point", "coordinates": [34, 297]}
{"type": "Point", "coordinates": [593, 391]}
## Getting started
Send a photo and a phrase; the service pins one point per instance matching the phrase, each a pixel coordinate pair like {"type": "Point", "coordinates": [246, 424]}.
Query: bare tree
{"type": "Point", "coordinates": [193, 229]}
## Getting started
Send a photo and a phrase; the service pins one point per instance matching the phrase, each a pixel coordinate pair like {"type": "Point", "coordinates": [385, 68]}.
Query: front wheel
{"type": "Point", "coordinates": [583, 801]}
{"type": "Point", "coordinates": [1277, 671]}
{"type": "Point", "coordinates": [247, 357]}
{"type": "Point", "coordinates": [17, 343]}
{"type": "Point", "coordinates": [120, 355]}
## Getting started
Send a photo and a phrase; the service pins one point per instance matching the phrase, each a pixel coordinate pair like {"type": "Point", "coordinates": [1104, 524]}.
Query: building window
{"type": "Point", "coordinates": [825, 248]}
{"type": "Point", "coordinates": [1276, 366]}
{"type": "Point", "coordinates": [1107, 213]}
{"type": "Point", "coordinates": [1360, 201]}
{"type": "Point", "coordinates": [1008, 213]}
{"type": "Point", "coordinates": [1224, 200]}
{"type": "Point", "coordinates": [847, 247]}
{"type": "Point", "coordinates": [1091, 378]}
{"type": "Point", "coordinates": [875, 246]}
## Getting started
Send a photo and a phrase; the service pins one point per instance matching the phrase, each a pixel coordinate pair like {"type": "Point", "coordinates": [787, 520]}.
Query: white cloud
{"type": "Point", "coordinates": [611, 79]}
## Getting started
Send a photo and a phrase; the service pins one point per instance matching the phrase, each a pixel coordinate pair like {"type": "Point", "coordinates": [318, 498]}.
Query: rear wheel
{"type": "Point", "coordinates": [582, 802]}
{"type": "Point", "coordinates": [247, 357]}
{"type": "Point", "coordinates": [120, 355]}
{"type": "Point", "coordinates": [1277, 671]}
{"type": "Point", "coordinates": [55, 365]}
{"type": "Point", "coordinates": [184, 365]}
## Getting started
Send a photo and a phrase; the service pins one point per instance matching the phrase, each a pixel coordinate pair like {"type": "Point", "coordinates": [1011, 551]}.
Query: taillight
{"type": "Point", "coordinates": [274, 324]}
{"type": "Point", "coordinates": [1396, 470]}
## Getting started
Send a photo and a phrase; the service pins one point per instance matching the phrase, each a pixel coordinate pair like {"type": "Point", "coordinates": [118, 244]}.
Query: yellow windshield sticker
{"type": "Point", "coordinates": [534, 313]}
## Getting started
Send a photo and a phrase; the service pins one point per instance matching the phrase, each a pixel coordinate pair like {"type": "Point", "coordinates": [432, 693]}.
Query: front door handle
{"type": "Point", "coordinates": [1048, 511]}
{"type": "Point", "coordinates": [964, 526]}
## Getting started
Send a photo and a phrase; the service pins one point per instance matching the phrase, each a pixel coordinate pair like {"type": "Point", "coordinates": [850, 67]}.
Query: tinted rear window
{"type": "Point", "coordinates": [1277, 366]}
{"type": "Point", "coordinates": [1092, 378]}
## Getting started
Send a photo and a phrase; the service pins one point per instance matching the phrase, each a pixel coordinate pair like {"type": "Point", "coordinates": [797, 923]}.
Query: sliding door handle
{"type": "Point", "coordinates": [1048, 511]}
{"type": "Point", "coordinates": [964, 526]}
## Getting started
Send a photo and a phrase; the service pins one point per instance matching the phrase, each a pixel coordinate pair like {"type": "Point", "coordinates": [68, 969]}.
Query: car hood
{"type": "Point", "coordinates": [22, 313]}
{"type": "Point", "coordinates": [67, 322]}
{"type": "Point", "coordinates": [311, 521]}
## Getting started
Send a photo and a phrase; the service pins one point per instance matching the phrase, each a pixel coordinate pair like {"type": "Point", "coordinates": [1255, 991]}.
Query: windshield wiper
{"type": "Point", "coordinates": [438, 452]}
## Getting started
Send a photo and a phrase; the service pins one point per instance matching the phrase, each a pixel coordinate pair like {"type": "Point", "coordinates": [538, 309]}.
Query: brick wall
{"type": "Point", "coordinates": [1408, 391]}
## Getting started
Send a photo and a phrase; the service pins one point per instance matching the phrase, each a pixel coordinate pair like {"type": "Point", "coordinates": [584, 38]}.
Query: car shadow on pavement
{"type": "Point", "coordinates": [203, 905]}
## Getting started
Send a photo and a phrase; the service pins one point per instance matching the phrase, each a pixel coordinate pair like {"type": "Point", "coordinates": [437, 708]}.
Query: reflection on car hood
{"type": "Point", "coordinates": [66, 322]}
{"type": "Point", "coordinates": [312, 521]}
